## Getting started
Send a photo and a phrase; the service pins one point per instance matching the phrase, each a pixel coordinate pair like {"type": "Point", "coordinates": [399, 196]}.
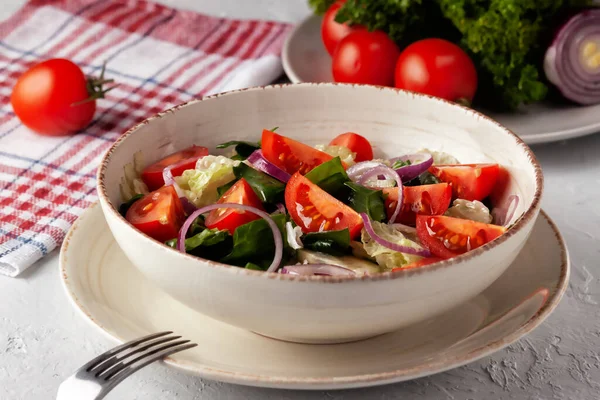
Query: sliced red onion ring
{"type": "Point", "coordinates": [572, 61]}
{"type": "Point", "coordinates": [392, 246]}
{"type": "Point", "coordinates": [504, 215]}
{"type": "Point", "coordinates": [317, 269]}
{"type": "Point", "coordinates": [379, 177]}
{"type": "Point", "coordinates": [419, 163]}
{"type": "Point", "coordinates": [276, 233]}
{"type": "Point", "coordinates": [364, 172]}
{"type": "Point", "coordinates": [281, 208]}
{"type": "Point", "coordinates": [262, 164]}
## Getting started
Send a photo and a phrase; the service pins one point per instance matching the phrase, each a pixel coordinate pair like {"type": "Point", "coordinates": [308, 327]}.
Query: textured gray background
{"type": "Point", "coordinates": [42, 339]}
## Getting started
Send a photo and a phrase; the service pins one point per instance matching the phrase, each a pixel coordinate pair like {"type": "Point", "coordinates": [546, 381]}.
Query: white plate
{"type": "Point", "coordinates": [306, 60]}
{"type": "Point", "coordinates": [117, 299]}
{"type": "Point", "coordinates": [111, 294]}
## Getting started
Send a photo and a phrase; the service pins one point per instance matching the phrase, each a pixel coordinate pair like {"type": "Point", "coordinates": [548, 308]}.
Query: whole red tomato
{"type": "Point", "coordinates": [365, 57]}
{"type": "Point", "coordinates": [332, 32]}
{"type": "Point", "coordinates": [55, 98]}
{"type": "Point", "coordinates": [438, 68]}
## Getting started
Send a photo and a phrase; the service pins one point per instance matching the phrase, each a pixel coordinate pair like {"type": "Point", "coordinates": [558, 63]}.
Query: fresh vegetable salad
{"type": "Point", "coordinates": [282, 205]}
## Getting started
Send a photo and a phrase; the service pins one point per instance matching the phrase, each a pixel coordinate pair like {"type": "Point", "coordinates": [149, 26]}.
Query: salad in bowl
{"type": "Point", "coordinates": [279, 205]}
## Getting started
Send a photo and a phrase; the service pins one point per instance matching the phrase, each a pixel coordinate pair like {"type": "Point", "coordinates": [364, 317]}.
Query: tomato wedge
{"type": "Point", "coordinates": [356, 143]}
{"type": "Point", "coordinates": [228, 218]}
{"type": "Point", "coordinates": [422, 262]}
{"type": "Point", "coordinates": [422, 200]}
{"type": "Point", "coordinates": [153, 174]}
{"type": "Point", "coordinates": [159, 214]}
{"type": "Point", "coordinates": [289, 154]}
{"type": "Point", "coordinates": [447, 237]}
{"type": "Point", "coordinates": [315, 210]}
{"type": "Point", "coordinates": [469, 181]}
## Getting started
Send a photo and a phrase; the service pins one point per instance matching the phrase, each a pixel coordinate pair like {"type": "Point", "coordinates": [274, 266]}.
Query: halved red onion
{"type": "Point", "coordinates": [367, 173]}
{"type": "Point", "coordinates": [276, 233]}
{"type": "Point", "coordinates": [419, 163]}
{"type": "Point", "coordinates": [386, 243]}
{"type": "Point", "coordinates": [262, 164]}
{"type": "Point", "coordinates": [317, 269]}
{"type": "Point", "coordinates": [503, 215]}
{"type": "Point", "coordinates": [572, 62]}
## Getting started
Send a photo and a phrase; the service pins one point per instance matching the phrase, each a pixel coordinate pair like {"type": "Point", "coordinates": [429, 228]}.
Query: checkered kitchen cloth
{"type": "Point", "coordinates": [159, 56]}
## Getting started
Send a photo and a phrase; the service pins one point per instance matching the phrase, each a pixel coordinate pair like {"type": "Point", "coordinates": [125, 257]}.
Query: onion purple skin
{"type": "Point", "coordinates": [419, 164]}
{"type": "Point", "coordinates": [317, 270]}
{"type": "Point", "coordinates": [258, 160]}
{"type": "Point", "coordinates": [276, 233]}
{"type": "Point", "coordinates": [562, 64]}
{"type": "Point", "coordinates": [392, 246]}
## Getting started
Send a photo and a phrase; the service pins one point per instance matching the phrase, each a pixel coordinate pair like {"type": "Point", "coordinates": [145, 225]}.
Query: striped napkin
{"type": "Point", "coordinates": [159, 56]}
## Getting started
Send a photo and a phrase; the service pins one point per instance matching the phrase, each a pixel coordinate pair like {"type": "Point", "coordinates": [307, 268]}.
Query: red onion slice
{"type": "Point", "coordinates": [572, 62]}
{"type": "Point", "coordinates": [317, 269]}
{"type": "Point", "coordinates": [419, 163]}
{"type": "Point", "coordinates": [276, 233]}
{"type": "Point", "coordinates": [262, 164]}
{"type": "Point", "coordinates": [364, 172]}
{"type": "Point", "coordinates": [503, 215]}
{"type": "Point", "coordinates": [392, 246]}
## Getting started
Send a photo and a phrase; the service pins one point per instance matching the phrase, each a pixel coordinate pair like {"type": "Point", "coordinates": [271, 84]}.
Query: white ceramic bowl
{"type": "Point", "coordinates": [324, 309]}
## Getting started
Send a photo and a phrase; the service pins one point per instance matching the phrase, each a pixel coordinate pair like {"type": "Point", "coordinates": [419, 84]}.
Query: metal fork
{"type": "Point", "coordinates": [95, 379]}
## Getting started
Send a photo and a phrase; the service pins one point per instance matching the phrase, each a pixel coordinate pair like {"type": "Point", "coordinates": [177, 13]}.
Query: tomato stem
{"type": "Point", "coordinates": [95, 87]}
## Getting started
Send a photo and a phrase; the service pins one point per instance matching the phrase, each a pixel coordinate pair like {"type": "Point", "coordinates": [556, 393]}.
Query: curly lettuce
{"type": "Point", "coordinates": [342, 152]}
{"type": "Point", "coordinates": [200, 184]}
{"type": "Point", "coordinates": [387, 258]}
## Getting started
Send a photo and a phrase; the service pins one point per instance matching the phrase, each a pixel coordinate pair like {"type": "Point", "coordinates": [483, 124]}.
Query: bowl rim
{"type": "Point", "coordinates": [522, 221]}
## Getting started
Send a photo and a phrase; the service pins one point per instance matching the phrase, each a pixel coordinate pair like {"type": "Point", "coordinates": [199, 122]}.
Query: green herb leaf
{"type": "Point", "coordinates": [253, 242]}
{"type": "Point", "coordinates": [206, 238]}
{"type": "Point", "coordinates": [366, 200]}
{"type": "Point", "coordinates": [329, 176]}
{"type": "Point", "coordinates": [400, 164]}
{"type": "Point", "coordinates": [336, 243]}
{"type": "Point", "coordinates": [267, 188]}
{"type": "Point", "coordinates": [123, 208]}
{"type": "Point", "coordinates": [242, 148]}
{"type": "Point", "coordinates": [426, 178]}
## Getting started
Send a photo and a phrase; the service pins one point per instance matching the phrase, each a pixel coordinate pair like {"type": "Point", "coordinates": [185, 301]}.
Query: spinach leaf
{"type": "Point", "coordinates": [329, 176]}
{"type": "Point", "coordinates": [253, 242]}
{"type": "Point", "coordinates": [242, 148]}
{"type": "Point", "coordinates": [222, 189]}
{"type": "Point", "coordinates": [400, 164]}
{"type": "Point", "coordinates": [366, 200]}
{"type": "Point", "coordinates": [426, 178]}
{"type": "Point", "coordinates": [267, 188]}
{"type": "Point", "coordinates": [254, 267]}
{"type": "Point", "coordinates": [336, 243]}
{"type": "Point", "coordinates": [123, 208]}
{"type": "Point", "coordinates": [206, 238]}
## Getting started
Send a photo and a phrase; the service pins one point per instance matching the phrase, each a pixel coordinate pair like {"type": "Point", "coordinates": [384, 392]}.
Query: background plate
{"type": "Point", "coordinates": [306, 60]}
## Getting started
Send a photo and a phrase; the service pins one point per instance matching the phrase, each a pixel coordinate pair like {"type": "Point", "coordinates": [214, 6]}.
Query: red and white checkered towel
{"type": "Point", "coordinates": [159, 56]}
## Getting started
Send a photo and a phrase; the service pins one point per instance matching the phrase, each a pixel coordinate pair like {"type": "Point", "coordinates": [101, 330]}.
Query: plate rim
{"type": "Point", "coordinates": [530, 139]}
{"type": "Point", "coordinates": [331, 383]}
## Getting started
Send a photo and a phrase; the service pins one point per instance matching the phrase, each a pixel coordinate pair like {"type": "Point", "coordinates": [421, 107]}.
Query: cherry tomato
{"type": "Point", "coordinates": [289, 154]}
{"type": "Point", "coordinates": [365, 57]}
{"type": "Point", "coordinates": [159, 214]}
{"type": "Point", "coordinates": [447, 237]}
{"type": "Point", "coordinates": [315, 210]}
{"type": "Point", "coordinates": [356, 143]}
{"type": "Point", "coordinates": [228, 218]}
{"type": "Point", "coordinates": [469, 181]}
{"type": "Point", "coordinates": [332, 32]}
{"type": "Point", "coordinates": [418, 200]}
{"type": "Point", "coordinates": [438, 68]}
{"type": "Point", "coordinates": [501, 186]}
{"type": "Point", "coordinates": [422, 262]}
{"type": "Point", "coordinates": [186, 159]}
{"type": "Point", "coordinates": [54, 98]}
